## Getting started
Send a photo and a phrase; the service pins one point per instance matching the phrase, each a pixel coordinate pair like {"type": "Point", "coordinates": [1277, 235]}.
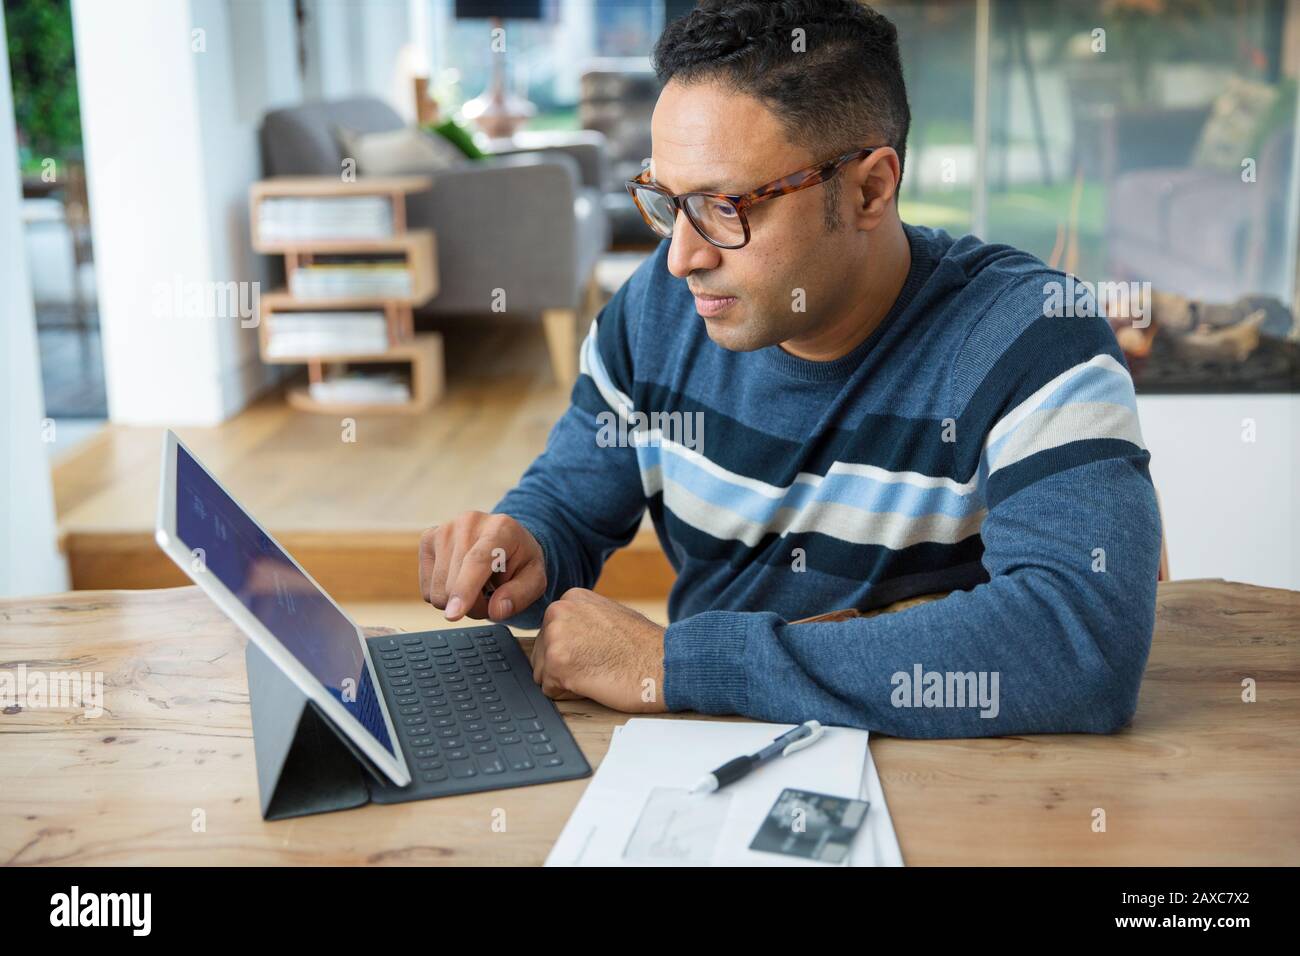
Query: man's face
{"type": "Point", "coordinates": [708, 138]}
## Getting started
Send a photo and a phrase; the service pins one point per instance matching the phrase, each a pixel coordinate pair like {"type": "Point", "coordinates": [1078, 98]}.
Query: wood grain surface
{"type": "Point", "coordinates": [1200, 777]}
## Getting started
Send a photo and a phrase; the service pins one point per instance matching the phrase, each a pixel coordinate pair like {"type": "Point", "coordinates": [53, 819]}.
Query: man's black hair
{"type": "Point", "coordinates": [835, 87]}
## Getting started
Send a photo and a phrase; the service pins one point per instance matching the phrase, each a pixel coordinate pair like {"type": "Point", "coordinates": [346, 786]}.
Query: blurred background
{"type": "Point", "coordinates": [1149, 147]}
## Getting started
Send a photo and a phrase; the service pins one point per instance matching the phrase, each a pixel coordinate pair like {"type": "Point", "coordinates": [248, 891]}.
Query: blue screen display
{"type": "Point", "coordinates": [264, 580]}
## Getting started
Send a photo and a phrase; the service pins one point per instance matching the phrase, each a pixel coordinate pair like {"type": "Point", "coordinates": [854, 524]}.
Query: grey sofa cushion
{"type": "Point", "coordinates": [300, 140]}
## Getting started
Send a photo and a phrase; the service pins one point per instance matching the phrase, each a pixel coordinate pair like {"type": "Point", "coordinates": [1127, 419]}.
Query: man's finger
{"type": "Point", "coordinates": [426, 561]}
{"type": "Point", "coordinates": [442, 555]}
{"type": "Point", "coordinates": [525, 586]}
{"type": "Point", "coordinates": [473, 571]}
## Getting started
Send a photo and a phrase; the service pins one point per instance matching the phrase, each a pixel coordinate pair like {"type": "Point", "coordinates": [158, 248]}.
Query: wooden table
{"type": "Point", "coordinates": [1200, 778]}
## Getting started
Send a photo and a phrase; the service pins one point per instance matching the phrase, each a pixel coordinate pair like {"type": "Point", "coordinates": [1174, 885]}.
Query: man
{"type": "Point", "coordinates": [885, 413]}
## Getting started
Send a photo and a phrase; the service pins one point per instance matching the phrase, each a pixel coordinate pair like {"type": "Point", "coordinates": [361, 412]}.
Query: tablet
{"type": "Point", "coordinates": [290, 617]}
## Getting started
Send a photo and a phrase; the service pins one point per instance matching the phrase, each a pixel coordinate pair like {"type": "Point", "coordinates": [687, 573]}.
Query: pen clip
{"type": "Point", "coordinates": [817, 730]}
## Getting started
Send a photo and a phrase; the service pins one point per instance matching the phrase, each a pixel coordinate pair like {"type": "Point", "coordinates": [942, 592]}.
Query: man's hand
{"type": "Point", "coordinates": [459, 558]}
{"type": "Point", "coordinates": [590, 646]}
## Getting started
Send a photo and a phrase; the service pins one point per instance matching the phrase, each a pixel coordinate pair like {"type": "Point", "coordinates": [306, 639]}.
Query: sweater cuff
{"type": "Point", "coordinates": [704, 663]}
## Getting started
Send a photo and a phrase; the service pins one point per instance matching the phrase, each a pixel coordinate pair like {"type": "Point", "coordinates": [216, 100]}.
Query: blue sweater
{"type": "Point", "coordinates": [971, 444]}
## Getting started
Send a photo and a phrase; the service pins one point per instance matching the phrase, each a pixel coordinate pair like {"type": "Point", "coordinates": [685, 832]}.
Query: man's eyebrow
{"type": "Point", "coordinates": [707, 188]}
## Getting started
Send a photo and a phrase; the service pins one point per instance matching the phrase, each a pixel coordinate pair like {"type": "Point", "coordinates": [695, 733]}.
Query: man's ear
{"type": "Point", "coordinates": [876, 181]}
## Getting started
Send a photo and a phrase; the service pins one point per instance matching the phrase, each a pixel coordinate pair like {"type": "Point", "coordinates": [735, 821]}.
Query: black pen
{"type": "Point", "coordinates": [805, 735]}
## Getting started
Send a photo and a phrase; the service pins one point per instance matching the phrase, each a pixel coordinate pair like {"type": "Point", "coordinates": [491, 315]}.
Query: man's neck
{"type": "Point", "coordinates": [892, 260]}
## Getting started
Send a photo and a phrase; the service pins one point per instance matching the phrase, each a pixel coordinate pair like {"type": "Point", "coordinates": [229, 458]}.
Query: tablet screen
{"type": "Point", "coordinates": [252, 567]}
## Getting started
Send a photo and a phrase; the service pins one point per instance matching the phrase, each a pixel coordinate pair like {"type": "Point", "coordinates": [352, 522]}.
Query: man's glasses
{"type": "Point", "coordinates": [720, 217]}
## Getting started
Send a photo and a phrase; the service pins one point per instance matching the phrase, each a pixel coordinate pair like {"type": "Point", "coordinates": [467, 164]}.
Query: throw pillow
{"type": "Point", "coordinates": [398, 152]}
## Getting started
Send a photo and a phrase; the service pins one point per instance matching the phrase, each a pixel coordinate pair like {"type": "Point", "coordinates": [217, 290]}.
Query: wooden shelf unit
{"type": "Point", "coordinates": [422, 353]}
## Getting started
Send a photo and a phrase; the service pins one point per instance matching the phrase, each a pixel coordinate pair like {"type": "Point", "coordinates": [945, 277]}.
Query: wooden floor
{"type": "Point", "coordinates": [350, 511]}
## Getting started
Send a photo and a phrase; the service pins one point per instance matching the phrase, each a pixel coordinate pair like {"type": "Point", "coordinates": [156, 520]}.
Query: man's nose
{"type": "Point", "coordinates": [689, 251]}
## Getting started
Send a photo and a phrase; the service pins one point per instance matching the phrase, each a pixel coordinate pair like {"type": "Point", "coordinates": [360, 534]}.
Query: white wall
{"type": "Point", "coordinates": [359, 48]}
{"type": "Point", "coordinates": [1229, 504]}
{"type": "Point", "coordinates": [30, 562]}
{"type": "Point", "coordinates": [249, 69]}
{"type": "Point", "coordinates": [169, 122]}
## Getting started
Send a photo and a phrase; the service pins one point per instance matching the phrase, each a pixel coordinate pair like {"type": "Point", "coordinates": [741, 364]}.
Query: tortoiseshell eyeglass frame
{"type": "Point", "coordinates": [813, 175]}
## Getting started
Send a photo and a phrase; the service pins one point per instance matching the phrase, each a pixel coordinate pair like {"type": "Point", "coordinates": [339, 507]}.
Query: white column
{"type": "Point", "coordinates": [30, 562]}
{"type": "Point", "coordinates": [172, 92]}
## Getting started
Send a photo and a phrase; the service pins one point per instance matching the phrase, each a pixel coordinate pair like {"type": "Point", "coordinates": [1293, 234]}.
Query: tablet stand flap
{"type": "Point", "coordinates": [303, 764]}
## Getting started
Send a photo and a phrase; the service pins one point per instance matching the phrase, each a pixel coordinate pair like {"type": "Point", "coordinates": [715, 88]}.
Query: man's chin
{"type": "Point", "coordinates": [732, 334]}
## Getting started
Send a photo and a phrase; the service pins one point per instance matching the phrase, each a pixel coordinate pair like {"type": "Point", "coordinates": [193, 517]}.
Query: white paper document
{"type": "Point", "coordinates": [636, 811]}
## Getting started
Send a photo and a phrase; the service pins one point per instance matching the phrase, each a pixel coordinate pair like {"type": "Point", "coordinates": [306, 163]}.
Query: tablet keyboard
{"type": "Point", "coordinates": [468, 714]}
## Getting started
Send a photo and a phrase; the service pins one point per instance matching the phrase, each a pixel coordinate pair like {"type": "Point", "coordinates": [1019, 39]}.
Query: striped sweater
{"type": "Point", "coordinates": [971, 444]}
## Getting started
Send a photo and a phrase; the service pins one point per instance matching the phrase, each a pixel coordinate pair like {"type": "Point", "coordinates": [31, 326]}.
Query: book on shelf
{"type": "Point", "coordinates": [359, 389]}
{"type": "Point", "coordinates": [301, 218]}
{"type": "Point", "coordinates": [343, 277]}
{"type": "Point", "coordinates": [305, 334]}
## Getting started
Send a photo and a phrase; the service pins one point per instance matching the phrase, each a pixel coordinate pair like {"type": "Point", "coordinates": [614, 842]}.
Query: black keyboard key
{"type": "Point", "coordinates": [459, 640]}
{"type": "Point", "coordinates": [542, 749]}
{"type": "Point", "coordinates": [538, 739]}
{"type": "Point", "coordinates": [504, 728]}
{"type": "Point", "coordinates": [463, 770]}
{"type": "Point", "coordinates": [484, 748]}
{"type": "Point", "coordinates": [411, 640]}
{"type": "Point", "coordinates": [456, 754]}
{"type": "Point", "coordinates": [530, 725]}
{"type": "Point", "coordinates": [550, 761]}
{"type": "Point", "coordinates": [434, 776]}
{"type": "Point", "coordinates": [491, 765]}
{"type": "Point", "coordinates": [421, 741]}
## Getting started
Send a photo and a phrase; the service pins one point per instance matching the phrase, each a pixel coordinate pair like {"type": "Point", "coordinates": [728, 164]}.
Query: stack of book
{"type": "Point", "coordinates": [357, 389]}
{"type": "Point", "coordinates": [340, 277]}
{"type": "Point", "coordinates": [305, 334]}
{"type": "Point", "coordinates": [297, 218]}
